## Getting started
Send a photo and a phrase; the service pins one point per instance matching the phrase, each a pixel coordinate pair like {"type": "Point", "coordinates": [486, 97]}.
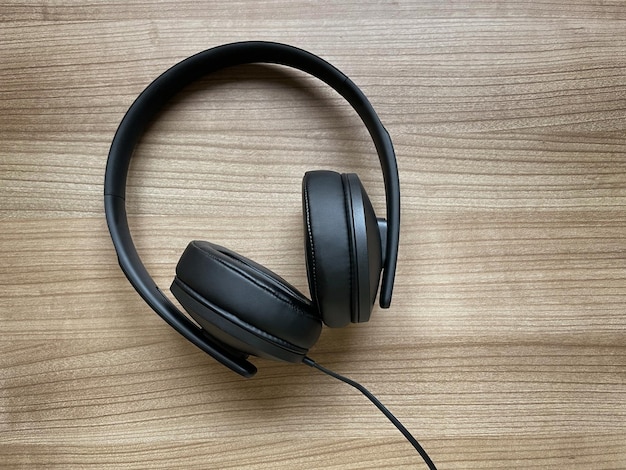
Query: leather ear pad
{"type": "Point", "coordinates": [243, 304]}
{"type": "Point", "coordinates": [343, 247]}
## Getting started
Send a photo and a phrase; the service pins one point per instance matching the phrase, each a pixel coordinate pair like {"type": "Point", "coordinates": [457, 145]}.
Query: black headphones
{"type": "Point", "coordinates": [243, 308]}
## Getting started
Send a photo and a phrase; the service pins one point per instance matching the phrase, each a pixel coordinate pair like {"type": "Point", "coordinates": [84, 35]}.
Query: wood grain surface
{"type": "Point", "coordinates": [505, 346]}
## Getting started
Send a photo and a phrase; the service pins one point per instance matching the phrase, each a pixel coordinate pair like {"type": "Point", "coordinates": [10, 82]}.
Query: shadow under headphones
{"type": "Point", "coordinates": [242, 307]}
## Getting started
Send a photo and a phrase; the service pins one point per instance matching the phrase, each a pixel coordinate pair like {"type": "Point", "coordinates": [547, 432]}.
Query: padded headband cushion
{"type": "Point", "coordinates": [262, 302]}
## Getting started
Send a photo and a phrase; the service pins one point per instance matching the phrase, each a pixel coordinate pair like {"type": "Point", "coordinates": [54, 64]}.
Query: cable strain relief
{"type": "Point", "coordinates": [308, 361]}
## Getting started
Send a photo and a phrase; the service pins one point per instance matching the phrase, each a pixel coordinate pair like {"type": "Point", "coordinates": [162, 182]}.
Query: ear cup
{"type": "Point", "coordinates": [244, 305]}
{"type": "Point", "coordinates": [342, 245]}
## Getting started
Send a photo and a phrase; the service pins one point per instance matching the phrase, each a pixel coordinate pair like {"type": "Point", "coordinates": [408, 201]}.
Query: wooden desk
{"type": "Point", "coordinates": [505, 344]}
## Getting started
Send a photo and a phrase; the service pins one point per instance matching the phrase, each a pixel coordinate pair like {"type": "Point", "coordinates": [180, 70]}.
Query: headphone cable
{"type": "Point", "coordinates": [311, 363]}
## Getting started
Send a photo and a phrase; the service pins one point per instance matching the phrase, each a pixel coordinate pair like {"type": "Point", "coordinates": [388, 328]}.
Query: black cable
{"type": "Point", "coordinates": [311, 363]}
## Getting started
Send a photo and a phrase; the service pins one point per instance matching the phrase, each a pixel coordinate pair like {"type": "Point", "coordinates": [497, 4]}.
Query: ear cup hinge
{"type": "Point", "coordinates": [382, 229]}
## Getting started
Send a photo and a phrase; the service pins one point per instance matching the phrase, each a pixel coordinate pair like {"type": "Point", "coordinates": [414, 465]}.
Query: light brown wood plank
{"type": "Point", "coordinates": [505, 344]}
